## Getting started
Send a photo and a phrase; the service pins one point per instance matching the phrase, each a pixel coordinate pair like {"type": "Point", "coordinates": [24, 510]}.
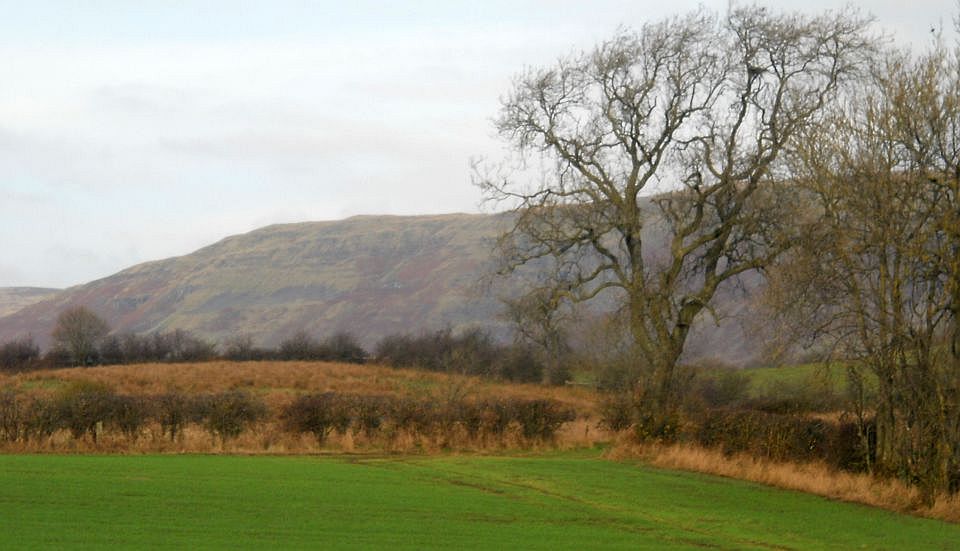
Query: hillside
{"type": "Point", "coordinates": [16, 298]}
{"type": "Point", "coordinates": [371, 275]}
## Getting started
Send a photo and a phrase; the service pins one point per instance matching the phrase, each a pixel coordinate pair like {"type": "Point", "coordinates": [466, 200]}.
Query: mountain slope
{"type": "Point", "coordinates": [16, 298]}
{"type": "Point", "coordinates": [371, 275]}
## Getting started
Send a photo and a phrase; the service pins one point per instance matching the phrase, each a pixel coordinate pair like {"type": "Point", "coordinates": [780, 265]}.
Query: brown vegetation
{"type": "Point", "coordinates": [811, 477]}
{"type": "Point", "coordinates": [263, 407]}
{"type": "Point", "coordinates": [278, 382]}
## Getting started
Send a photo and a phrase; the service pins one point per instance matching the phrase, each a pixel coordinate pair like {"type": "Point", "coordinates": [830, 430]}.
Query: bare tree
{"type": "Point", "coordinates": [697, 109]}
{"type": "Point", "coordinates": [540, 322]}
{"type": "Point", "coordinates": [879, 273]}
{"type": "Point", "coordinates": [79, 331]}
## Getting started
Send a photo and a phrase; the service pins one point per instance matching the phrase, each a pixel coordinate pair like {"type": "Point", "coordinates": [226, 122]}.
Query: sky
{"type": "Point", "coordinates": [134, 131]}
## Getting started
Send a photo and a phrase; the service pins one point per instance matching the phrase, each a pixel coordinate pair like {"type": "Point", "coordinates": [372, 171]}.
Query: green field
{"type": "Point", "coordinates": [573, 501]}
{"type": "Point", "coordinates": [767, 380]}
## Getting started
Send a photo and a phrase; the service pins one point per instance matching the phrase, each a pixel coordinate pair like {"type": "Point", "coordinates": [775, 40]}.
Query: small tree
{"type": "Point", "coordinates": [343, 347]}
{"type": "Point", "coordinates": [78, 332]}
{"type": "Point", "coordinates": [301, 346]}
{"type": "Point", "coordinates": [18, 353]}
{"type": "Point", "coordinates": [540, 322]}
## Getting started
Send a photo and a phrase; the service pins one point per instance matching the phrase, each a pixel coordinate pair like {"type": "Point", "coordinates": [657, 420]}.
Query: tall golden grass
{"type": "Point", "coordinates": [813, 478]}
{"type": "Point", "coordinates": [268, 438]}
{"type": "Point", "coordinates": [278, 382]}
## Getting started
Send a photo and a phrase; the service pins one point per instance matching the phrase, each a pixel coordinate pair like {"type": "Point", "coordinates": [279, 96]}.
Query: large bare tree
{"type": "Point", "coordinates": [678, 128]}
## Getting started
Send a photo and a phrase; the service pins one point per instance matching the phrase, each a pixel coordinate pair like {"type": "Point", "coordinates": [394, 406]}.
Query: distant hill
{"type": "Point", "coordinates": [371, 275]}
{"type": "Point", "coordinates": [15, 298]}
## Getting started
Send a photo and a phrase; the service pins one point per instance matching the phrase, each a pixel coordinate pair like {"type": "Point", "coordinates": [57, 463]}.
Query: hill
{"type": "Point", "coordinates": [13, 299]}
{"type": "Point", "coordinates": [370, 275]}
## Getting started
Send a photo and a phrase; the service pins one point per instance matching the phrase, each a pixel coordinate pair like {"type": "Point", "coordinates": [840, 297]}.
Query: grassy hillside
{"type": "Point", "coordinates": [13, 299]}
{"type": "Point", "coordinates": [548, 502]}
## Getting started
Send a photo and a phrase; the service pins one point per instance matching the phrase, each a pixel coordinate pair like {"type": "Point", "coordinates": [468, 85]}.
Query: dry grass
{"type": "Point", "coordinates": [267, 438]}
{"type": "Point", "coordinates": [278, 382]}
{"type": "Point", "coordinates": [814, 478]}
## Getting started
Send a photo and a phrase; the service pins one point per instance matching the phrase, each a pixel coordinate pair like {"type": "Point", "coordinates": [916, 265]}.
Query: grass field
{"type": "Point", "coordinates": [764, 380]}
{"type": "Point", "coordinates": [569, 500]}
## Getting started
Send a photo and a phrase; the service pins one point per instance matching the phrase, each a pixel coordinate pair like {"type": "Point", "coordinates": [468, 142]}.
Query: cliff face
{"type": "Point", "coordinates": [371, 275]}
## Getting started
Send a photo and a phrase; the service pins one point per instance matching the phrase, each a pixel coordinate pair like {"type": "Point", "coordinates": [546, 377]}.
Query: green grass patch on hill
{"type": "Point", "coordinates": [558, 501]}
{"type": "Point", "coordinates": [765, 380]}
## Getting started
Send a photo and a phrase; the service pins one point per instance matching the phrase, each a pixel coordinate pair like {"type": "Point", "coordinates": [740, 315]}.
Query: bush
{"type": "Point", "coordinates": [411, 414]}
{"type": "Point", "coordinates": [497, 416]}
{"type": "Point", "coordinates": [181, 346]}
{"type": "Point", "coordinates": [300, 346]}
{"type": "Point", "coordinates": [370, 413]}
{"type": "Point", "coordinates": [242, 349]}
{"type": "Point", "coordinates": [768, 435]}
{"type": "Point", "coordinates": [520, 364]}
{"type": "Point", "coordinates": [617, 411]}
{"type": "Point", "coordinates": [84, 408]}
{"type": "Point", "coordinates": [41, 419]}
{"type": "Point", "coordinates": [19, 354]}
{"type": "Point", "coordinates": [318, 414]}
{"type": "Point", "coordinates": [11, 417]}
{"type": "Point", "coordinates": [129, 414]}
{"type": "Point", "coordinates": [173, 411]}
{"type": "Point", "coordinates": [472, 352]}
{"type": "Point", "coordinates": [540, 419]}
{"type": "Point", "coordinates": [342, 347]}
{"type": "Point", "coordinates": [228, 414]}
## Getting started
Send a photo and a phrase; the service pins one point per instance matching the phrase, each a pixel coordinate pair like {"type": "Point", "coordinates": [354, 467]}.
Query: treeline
{"type": "Point", "coordinates": [81, 339]}
{"type": "Point", "coordinates": [90, 411]}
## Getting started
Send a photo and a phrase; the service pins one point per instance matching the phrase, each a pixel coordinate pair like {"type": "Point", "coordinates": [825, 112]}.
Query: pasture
{"type": "Point", "coordinates": [568, 500]}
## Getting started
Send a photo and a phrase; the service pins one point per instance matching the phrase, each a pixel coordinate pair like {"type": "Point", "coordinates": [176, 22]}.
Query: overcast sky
{"type": "Point", "coordinates": [132, 131]}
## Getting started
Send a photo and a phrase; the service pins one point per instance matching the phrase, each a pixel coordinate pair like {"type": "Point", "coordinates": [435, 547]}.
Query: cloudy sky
{"type": "Point", "coordinates": [132, 131]}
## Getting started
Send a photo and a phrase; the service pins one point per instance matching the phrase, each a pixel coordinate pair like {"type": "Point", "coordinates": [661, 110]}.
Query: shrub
{"type": "Point", "coordinates": [111, 350]}
{"type": "Point", "coordinates": [41, 419]}
{"type": "Point", "coordinates": [540, 419]}
{"type": "Point", "coordinates": [318, 414]}
{"type": "Point", "coordinates": [617, 411]}
{"type": "Point", "coordinates": [342, 347]}
{"type": "Point", "coordinates": [520, 364]}
{"type": "Point", "coordinates": [129, 414]}
{"type": "Point", "coordinates": [11, 417]}
{"type": "Point", "coordinates": [228, 414]}
{"type": "Point", "coordinates": [472, 352]}
{"type": "Point", "coordinates": [768, 435]}
{"type": "Point", "coordinates": [19, 354]}
{"type": "Point", "coordinates": [181, 346]}
{"type": "Point", "coordinates": [173, 411]}
{"type": "Point", "coordinates": [411, 414]}
{"type": "Point", "coordinates": [370, 412]}
{"type": "Point", "coordinates": [300, 346]}
{"type": "Point", "coordinates": [242, 349]}
{"type": "Point", "coordinates": [84, 407]}
{"type": "Point", "coordinates": [497, 416]}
